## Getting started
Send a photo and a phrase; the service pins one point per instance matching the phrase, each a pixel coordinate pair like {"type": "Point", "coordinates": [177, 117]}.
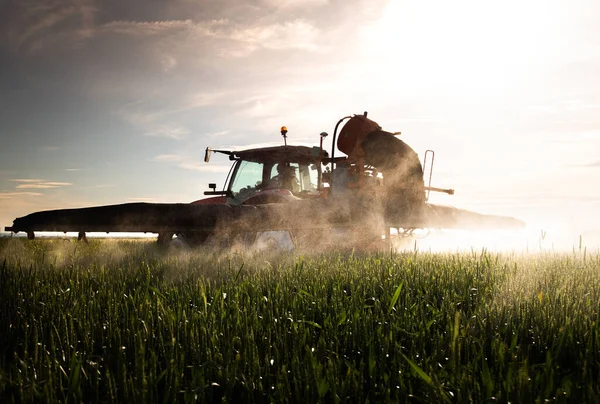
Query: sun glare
{"type": "Point", "coordinates": [461, 48]}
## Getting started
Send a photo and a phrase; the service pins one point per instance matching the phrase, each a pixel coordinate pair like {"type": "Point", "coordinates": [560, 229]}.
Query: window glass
{"type": "Point", "coordinates": [310, 177]}
{"type": "Point", "coordinates": [294, 177]}
{"type": "Point", "coordinates": [247, 178]}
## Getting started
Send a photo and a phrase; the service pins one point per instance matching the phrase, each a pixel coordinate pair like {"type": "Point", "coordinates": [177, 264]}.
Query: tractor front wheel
{"type": "Point", "coordinates": [164, 239]}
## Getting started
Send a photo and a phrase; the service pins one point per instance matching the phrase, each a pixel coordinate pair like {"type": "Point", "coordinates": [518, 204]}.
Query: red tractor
{"type": "Point", "coordinates": [293, 196]}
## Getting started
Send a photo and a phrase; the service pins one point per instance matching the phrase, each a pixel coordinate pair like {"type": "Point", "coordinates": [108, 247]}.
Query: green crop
{"type": "Point", "coordinates": [124, 320]}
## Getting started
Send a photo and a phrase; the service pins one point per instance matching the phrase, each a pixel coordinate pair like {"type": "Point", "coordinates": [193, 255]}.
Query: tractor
{"type": "Point", "coordinates": [294, 196]}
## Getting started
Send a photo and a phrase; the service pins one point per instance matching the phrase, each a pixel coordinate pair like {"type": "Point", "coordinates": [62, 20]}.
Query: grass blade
{"type": "Point", "coordinates": [396, 296]}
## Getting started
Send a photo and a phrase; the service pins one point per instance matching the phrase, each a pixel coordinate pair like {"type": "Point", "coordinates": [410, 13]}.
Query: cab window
{"type": "Point", "coordinates": [248, 177]}
{"type": "Point", "coordinates": [294, 177]}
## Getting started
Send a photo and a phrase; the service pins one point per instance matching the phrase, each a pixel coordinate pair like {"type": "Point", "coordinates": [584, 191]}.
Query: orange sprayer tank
{"type": "Point", "coordinates": [353, 133]}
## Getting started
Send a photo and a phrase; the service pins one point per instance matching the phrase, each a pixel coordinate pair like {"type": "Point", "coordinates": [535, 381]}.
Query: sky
{"type": "Point", "coordinates": [108, 101]}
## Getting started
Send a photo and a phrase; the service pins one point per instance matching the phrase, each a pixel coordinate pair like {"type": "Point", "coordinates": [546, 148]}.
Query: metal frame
{"type": "Point", "coordinates": [428, 188]}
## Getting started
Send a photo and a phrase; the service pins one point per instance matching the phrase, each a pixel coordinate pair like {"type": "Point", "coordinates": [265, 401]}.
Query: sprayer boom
{"type": "Point", "coordinates": [445, 191]}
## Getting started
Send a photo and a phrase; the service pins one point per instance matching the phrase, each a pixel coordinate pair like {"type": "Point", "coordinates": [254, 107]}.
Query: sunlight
{"type": "Point", "coordinates": [462, 48]}
{"type": "Point", "coordinates": [492, 240]}
{"type": "Point", "coordinates": [539, 235]}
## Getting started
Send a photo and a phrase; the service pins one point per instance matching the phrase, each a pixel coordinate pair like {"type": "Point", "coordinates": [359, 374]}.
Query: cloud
{"type": "Point", "coordinates": [160, 69]}
{"type": "Point", "coordinates": [296, 34]}
{"type": "Point", "coordinates": [206, 98]}
{"type": "Point", "coordinates": [289, 4]}
{"type": "Point", "coordinates": [34, 24]}
{"type": "Point", "coordinates": [39, 184]}
{"type": "Point", "coordinates": [293, 34]}
{"type": "Point", "coordinates": [101, 186]}
{"type": "Point", "coordinates": [154, 121]}
{"type": "Point", "coordinates": [161, 28]}
{"type": "Point", "coordinates": [169, 131]}
{"type": "Point", "coordinates": [204, 167]}
{"type": "Point", "coordinates": [12, 195]}
{"type": "Point", "coordinates": [168, 63]}
{"type": "Point", "coordinates": [189, 163]}
{"type": "Point", "coordinates": [73, 169]}
{"type": "Point", "coordinates": [171, 45]}
{"type": "Point", "coordinates": [47, 185]}
{"type": "Point", "coordinates": [593, 164]}
{"type": "Point", "coordinates": [169, 158]}
{"type": "Point", "coordinates": [28, 180]}
{"type": "Point", "coordinates": [30, 25]}
{"type": "Point", "coordinates": [218, 133]}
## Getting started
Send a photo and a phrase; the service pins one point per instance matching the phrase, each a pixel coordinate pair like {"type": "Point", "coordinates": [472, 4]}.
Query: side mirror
{"type": "Point", "coordinates": [213, 191]}
{"type": "Point", "coordinates": [207, 155]}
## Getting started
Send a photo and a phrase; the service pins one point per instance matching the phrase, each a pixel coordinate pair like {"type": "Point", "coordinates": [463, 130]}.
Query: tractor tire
{"type": "Point", "coordinates": [164, 239]}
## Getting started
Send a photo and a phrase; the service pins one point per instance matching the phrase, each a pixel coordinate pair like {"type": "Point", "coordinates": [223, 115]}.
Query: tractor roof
{"type": "Point", "coordinates": [299, 154]}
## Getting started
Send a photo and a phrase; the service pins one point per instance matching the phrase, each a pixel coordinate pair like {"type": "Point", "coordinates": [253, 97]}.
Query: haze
{"type": "Point", "coordinates": [108, 101]}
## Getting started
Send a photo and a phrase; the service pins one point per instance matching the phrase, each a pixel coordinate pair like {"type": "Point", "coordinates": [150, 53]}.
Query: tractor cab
{"type": "Point", "coordinates": [271, 175]}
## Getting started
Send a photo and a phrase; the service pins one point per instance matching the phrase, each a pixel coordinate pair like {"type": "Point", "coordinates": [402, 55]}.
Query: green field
{"type": "Point", "coordinates": [124, 320]}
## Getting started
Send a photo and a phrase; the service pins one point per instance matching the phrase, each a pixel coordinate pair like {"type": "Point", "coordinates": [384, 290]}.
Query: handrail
{"type": "Point", "coordinates": [428, 188]}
